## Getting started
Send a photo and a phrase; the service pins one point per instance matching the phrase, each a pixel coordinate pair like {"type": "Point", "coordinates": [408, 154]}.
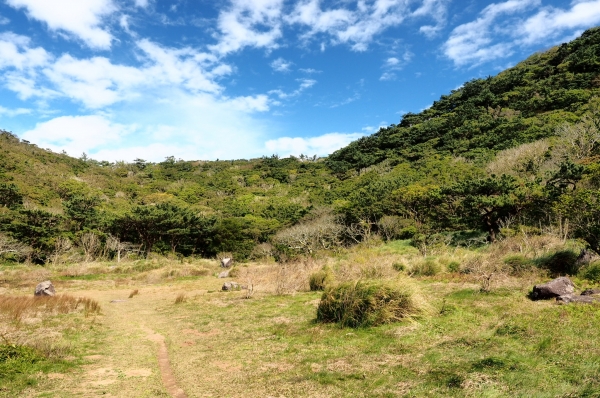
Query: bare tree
{"type": "Point", "coordinates": [12, 246]}
{"type": "Point", "coordinates": [91, 245]}
{"type": "Point", "coordinates": [61, 246]}
{"type": "Point", "coordinates": [307, 237]}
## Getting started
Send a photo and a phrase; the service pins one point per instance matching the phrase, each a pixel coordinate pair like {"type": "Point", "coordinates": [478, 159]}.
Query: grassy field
{"type": "Point", "coordinates": [267, 343]}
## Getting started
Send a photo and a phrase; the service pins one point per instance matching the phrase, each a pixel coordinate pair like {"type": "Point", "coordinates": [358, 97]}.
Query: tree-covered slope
{"type": "Point", "coordinates": [519, 105]}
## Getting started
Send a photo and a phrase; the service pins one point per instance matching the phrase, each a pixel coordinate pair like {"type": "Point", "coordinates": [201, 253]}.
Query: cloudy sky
{"type": "Point", "coordinates": [204, 79]}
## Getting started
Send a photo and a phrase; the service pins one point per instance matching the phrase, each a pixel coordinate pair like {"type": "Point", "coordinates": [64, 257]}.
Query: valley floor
{"type": "Point", "coordinates": [223, 344]}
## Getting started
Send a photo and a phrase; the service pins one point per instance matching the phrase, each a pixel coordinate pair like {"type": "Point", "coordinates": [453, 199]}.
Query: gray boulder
{"type": "Point", "coordinates": [585, 257]}
{"type": "Point", "coordinates": [573, 298]}
{"type": "Point", "coordinates": [590, 292]}
{"type": "Point", "coordinates": [226, 262]}
{"type": "Point", "coordinates": [224, 274]}
{"type": "Point", "coordinates": [555, 288]}
{"type": "Point", "coordinates": [229, 286]}
{"type": "Point", "coordinates": [45, 288]}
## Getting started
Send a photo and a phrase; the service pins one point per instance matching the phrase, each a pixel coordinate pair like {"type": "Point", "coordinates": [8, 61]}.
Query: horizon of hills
{"type": "Point", "coordinates": [516, 146]}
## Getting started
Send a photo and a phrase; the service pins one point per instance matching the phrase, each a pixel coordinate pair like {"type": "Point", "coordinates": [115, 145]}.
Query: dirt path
{"type": "Point", "coordinates": [133, 359]}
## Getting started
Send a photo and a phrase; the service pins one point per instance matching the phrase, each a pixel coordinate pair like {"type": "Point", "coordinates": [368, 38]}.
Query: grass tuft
{"type": "Point", "coordinates": [369, 303]}
{"type": "Point", "coordinates": [181, 298]}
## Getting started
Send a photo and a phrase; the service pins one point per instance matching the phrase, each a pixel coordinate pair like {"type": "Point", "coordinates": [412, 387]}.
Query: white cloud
{"type": "Point", "coordinates": [552, 22]}
{"type": "Point", "coordinates": [97, 82]}
{"type": "Point", "coordinates": [82, 19]}
{"type": "Point", "coordinates": [472, 43]}
{"type": "Point", "coordinates": [501, 27]}
{"type": "Point", "coordinates": [281, 65]}
{"type": "Point", "coordinates": [387, 76]}
{"type": "Point", "coordinates": [142, 3]}
{"type": "Point", "coordinates": [358, 26]}
{"type": "Point", "coordinates": [254, 23]}
{"type": "Point", "coordinates": [310, 71]}
{"type": "Point", "coordinates": [321, 145]}
{"type": "Point", "coordinates": [15, 52]}
{"type": "Point", "coordinates": [4, 20]}
{"type": "Point", "coordinates": [75, 134]}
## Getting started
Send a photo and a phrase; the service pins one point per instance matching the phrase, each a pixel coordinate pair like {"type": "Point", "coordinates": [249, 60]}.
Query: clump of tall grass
{"type": "Point", "coordinates": [18, 306]}
{"type": "Point", "coordinates": [370, 303]}
{"type": "Point", "coordinates": [181, 298]}
{"type": "Point", "coordinates": [428, 267]}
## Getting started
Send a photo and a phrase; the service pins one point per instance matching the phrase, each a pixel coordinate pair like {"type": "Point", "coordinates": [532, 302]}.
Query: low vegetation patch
{"type": "Point", "coordinates": [319, 280]}
{"type": "Point", "coordinates": [18, 306]}
{"type": "Point", "coordinates": [369, 303]}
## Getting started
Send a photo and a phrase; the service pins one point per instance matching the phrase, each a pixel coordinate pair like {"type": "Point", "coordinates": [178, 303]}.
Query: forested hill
{"type": "Point", "coordinates": [516, 151]}
{"type": "Point", "coordinates": [521, 104]}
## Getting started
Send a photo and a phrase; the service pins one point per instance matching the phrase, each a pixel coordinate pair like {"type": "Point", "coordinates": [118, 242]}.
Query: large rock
{"type": "Point", "coordinates": [226, 262]}
{"type": "Point", "coordinates": [585, 257]}
{"type": "Point", "coordinates": [555, 288]}
{"type": "Point", "coordinates": [45, 288]}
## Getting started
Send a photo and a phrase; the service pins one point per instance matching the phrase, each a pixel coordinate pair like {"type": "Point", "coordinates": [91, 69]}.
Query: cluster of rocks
{"type": "Point", "coordinates": [563, 290]}
{"type": "Point", "coordinates": [230, 286]}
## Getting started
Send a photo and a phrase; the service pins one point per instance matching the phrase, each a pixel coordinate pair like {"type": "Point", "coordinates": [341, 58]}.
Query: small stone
{"type": "Point", "coordinates": [224, 274]}
{"type": "Point", "coordinates": [45, 288]}
{"type": "Point", "coordinates": [226, 262]}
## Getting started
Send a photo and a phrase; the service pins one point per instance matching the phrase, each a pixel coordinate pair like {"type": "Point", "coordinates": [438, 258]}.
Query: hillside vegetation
{"type": "Point", "coordinates": [517, 150]}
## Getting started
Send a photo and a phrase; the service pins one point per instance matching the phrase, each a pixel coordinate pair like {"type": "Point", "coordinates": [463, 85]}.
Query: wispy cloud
{"type": "Point", "coordinates": [281, 65]}
{"type": "Point", "coordinates": [392, 64]}
{"type": "Point", "coordinates": [305, 84]}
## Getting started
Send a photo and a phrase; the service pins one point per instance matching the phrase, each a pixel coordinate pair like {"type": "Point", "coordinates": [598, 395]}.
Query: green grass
{"type": "Point", "coordinates": [477, 345]}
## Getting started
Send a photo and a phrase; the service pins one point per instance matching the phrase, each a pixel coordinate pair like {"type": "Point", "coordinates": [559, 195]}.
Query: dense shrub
{"type": "Point", "coordinates": [368, 303]}
{"type": "Point", "coordinates": [563, 262]}
{"type": "Point", "coordinates": [592, 272]}
{"type": "Point", "coordinates": [319, 280]}
{"type": "Point", "coordinates": [453, 266]}
{"type": "Point", "coordinates": [518, 264]}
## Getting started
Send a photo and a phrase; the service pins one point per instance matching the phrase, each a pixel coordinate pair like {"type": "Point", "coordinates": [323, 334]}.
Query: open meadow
{"type": "Point", "coordinates": [160, 327]}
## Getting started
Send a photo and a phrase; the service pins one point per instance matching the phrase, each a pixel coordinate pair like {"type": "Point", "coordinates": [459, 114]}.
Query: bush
{"type": "Point", "coordinates": [319, 280]}
{"type": "Point", "coordinates": [399, 267]}
{"type": "Point", "coordinates": [562, 262]}
{"type": "Point", "coordinates": [368, 303]}
{"type": "Point", "coordinates": [428, 267]}
{"type": "Point", "coordinates": [453, 266]}
{"type": "Point", "coordinates": [518, 264]}
{"type": "Point", "coordinates": [592, 272]}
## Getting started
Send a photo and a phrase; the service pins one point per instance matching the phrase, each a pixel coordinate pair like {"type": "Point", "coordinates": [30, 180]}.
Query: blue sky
{"type": "Point", "coordinates": [200, 79]}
